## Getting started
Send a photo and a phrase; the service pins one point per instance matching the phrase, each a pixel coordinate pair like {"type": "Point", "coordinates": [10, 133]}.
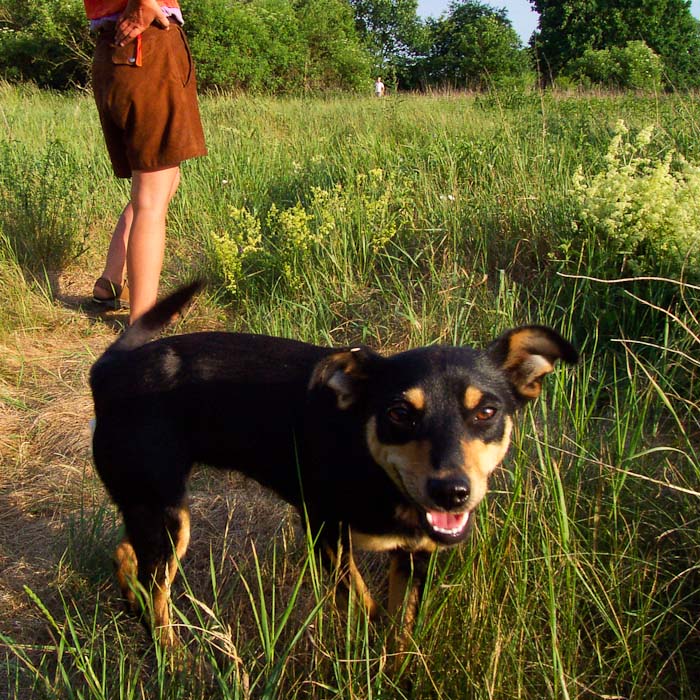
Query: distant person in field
{"type": "Point", "coordinates": [379, 88]}
{"type": "Point", "coordinates": [144, 86]}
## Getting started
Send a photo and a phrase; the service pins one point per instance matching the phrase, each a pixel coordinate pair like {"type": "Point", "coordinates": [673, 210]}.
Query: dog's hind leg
{"type": "Point", "coordinates": [158, 538]}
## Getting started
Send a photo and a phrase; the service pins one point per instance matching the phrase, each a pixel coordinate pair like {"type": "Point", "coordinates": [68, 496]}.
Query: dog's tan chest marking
{"type": "Point", "coordinates": [406, 515]}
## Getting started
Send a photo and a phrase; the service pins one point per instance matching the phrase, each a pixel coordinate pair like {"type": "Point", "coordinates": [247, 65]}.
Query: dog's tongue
{"type": "Point", "coordinates": [448, 522]}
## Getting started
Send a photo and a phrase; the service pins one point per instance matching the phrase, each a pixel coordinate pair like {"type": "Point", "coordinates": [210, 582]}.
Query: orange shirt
{"type": "Point", "coordinates": [103, 8]}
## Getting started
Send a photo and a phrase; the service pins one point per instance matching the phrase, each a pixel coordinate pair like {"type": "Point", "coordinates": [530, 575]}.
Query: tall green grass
{"type": "Point", "coordinates": [582, 577]}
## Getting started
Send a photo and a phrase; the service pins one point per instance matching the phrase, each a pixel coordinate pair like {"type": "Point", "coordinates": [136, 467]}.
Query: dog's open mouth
{"type": "Point", "coordinates": [447, 526]}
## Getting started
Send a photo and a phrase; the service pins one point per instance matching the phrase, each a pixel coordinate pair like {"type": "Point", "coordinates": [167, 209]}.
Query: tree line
{"type": "Point", "coordinates": [297, 46]}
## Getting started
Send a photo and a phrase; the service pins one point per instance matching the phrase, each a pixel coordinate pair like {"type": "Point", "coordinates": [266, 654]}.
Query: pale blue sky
{"type": "Point", "coordinates": [519, 12]}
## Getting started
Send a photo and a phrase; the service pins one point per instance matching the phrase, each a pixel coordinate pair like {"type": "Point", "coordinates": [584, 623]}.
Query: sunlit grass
{"type": "Point", "coordinates": [581, 579]}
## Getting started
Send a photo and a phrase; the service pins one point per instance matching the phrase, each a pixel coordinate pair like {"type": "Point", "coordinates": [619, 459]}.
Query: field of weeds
{"type": "Point", "coordinates": [395, 223]}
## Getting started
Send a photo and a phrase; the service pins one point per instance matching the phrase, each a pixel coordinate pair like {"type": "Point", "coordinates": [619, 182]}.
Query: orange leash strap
{"type": "Point", "coordinates": [139, 54]}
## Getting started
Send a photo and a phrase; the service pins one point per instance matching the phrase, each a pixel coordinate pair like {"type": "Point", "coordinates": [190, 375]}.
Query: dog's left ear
{"type": "Point", "coordinates": [527, 354]}
{"type": "Point", "coordinates": [346, 372]}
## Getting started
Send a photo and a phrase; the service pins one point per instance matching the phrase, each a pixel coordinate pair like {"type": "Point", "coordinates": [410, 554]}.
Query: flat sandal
{"type": "Point", "coordinates": [118, 294]}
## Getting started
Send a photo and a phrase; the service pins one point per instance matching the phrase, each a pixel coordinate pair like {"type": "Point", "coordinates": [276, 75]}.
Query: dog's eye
{"type": "Point", "coordinates": [400, 414]}
{"type": "Point", "coordinates": [485, 413]}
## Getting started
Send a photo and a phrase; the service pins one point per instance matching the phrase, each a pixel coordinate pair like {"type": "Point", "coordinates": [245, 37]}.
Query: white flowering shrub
{"type": "Point", "coordinates": [646, 203]}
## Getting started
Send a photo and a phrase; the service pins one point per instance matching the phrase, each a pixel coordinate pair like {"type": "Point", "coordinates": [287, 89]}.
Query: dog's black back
{"type": "Point", "coordinates": [194, 400]}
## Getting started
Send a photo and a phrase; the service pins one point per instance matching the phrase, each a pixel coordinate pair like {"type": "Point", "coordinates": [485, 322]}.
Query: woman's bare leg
{"type": "Point", "coordinates": [151, 193]}
{"type": "Point", "coordinates": [148, 189]}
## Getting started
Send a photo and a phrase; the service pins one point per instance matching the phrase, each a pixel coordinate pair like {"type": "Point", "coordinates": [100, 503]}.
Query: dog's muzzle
{"type": "Point", "coordinates": [449, 522]}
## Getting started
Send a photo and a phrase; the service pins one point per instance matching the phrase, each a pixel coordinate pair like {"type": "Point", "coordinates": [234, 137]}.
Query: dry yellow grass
{"type": "Point", "coordinates": [44, 451]}
{"type": "Point", "coordinates": [49, 494]}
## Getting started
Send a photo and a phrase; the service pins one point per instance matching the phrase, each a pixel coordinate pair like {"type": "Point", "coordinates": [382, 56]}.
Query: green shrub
{"type": "Point", "coordinates": [646, 205]}
{"type": "Point", "coordinates": [40, 213]}
{"type": "Point", "coordinates": [252, 46]}
{"type": "Point", "coordinates": [356, 222]}
{"type": "Point", "coordinates": [45, 42]}
{"type": "Point", "coordinates": [595, 67]}
{"type": "Point", "coordinates": [335, 57]}
{"type": "Point", "coordinates": [634, 66]}
{"type": "Point", "coordinates": [640, 67]}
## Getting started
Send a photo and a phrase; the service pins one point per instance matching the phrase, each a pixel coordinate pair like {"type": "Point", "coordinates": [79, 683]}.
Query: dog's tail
{"type": "Point", "coordinates": [152, 322]}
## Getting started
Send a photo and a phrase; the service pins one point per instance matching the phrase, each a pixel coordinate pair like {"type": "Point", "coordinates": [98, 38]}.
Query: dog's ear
{"type": "Point", "coordinates": [345, 372]}
{"type": "Point", "coordinates": [527, 354]}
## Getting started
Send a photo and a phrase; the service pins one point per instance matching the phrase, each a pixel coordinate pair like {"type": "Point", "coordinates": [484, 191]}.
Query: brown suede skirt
{"type": "Point", "coordinates": [146, 97]}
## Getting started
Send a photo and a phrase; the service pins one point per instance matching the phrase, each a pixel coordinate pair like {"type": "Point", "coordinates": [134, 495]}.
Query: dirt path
{"type": "Point", "coordinates": [57, 526]}
{"type": "Point", "coordinates": [45, 471]}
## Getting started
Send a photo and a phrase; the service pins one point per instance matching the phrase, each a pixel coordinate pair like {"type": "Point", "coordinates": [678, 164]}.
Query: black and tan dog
{"type": "Point", "coordinates": [379, 453]}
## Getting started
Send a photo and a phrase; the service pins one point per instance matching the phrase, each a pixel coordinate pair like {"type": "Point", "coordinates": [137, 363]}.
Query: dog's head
{"type": "Point", "coordinates": [438, 419]}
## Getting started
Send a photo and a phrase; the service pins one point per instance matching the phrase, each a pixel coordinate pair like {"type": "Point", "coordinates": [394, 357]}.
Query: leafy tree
{"type": "Point", "coordinates": [253, 46]}
{"type": "Point", "coordinates": [392, 31]}
{"type": "Point", "coordinates": [570, 28]}
{"type": "Point", "coordinates": [335, 55]}
{"type": "Point", "coordinates": [473, 45]}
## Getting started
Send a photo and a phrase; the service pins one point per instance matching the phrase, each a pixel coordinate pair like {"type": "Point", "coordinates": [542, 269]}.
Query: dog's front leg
{"type": "Point", "coordinates": [348, 577]}
{"type": "Point", "coordinates": [407, 575]}
{"type": "Point", "coordinates": [157, 540]}
{"type": "Point", "coordinates": [126, 567]}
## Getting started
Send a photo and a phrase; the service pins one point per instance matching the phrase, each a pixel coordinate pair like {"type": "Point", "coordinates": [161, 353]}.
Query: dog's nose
{"type": "Point", "coordinates": [449, 493]}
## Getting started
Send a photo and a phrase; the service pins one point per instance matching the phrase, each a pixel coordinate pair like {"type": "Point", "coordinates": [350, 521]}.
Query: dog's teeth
{"type": "Point", "coordinates": [447, 523]}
